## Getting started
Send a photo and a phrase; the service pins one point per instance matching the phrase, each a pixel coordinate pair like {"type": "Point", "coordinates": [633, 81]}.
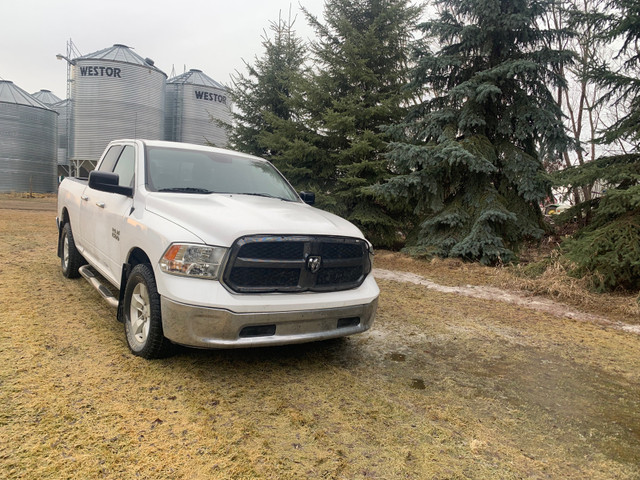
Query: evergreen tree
{"type": "Point", "coordinates": [469, 156]}
{"type": "Point", "coordinates": [361, 59]}
{"type": "Point", "coordinates": [272, 117]}
{"type": "Point", "coordinates": [266, 97]}
{"type": "Point", "coordinates": [609, 247]}
{"type": "Point", "coordinates": [621, 21]}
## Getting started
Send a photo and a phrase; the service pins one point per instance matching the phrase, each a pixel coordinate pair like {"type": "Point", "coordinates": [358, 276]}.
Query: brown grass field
{"type": "Point", "coordinates": [443, 387]}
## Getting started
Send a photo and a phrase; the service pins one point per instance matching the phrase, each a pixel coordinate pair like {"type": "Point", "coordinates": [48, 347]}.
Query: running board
{"type": "Point", "coordinates": [91, 277]}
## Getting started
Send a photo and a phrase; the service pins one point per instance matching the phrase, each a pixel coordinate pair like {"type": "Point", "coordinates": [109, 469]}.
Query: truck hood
{"type": "Point", "coordinates": [219, 219]}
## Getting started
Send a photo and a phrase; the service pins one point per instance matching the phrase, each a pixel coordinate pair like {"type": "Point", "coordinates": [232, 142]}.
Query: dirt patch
{"type": "Point", "coordinates": [444, 386]}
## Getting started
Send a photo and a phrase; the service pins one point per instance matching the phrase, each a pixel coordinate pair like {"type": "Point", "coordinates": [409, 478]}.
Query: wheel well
{"type": "Point", "coordinates": [136, 257]}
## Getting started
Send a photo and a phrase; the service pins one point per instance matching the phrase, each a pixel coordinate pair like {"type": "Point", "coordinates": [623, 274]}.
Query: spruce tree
{"type": "Point", "coordinates": [272, 118]}
{"type": "Point", "coordinates": [361, 67]}
{"type": "Point", "coordinates": [609, 247]}
{"type": "Point", "coordinates": [469, 155]}
{"type": "Point", "coordinates": [265, 98]}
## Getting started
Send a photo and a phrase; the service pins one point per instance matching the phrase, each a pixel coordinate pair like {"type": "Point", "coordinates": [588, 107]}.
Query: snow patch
{"type": "Point", "coordinates": [513, 297]}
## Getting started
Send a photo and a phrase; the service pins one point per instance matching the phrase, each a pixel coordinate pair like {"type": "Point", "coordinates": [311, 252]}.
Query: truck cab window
{"type": "Point", "coordinates": [125, 166]}
{"type": "Point", "coordinates": [110, 159]}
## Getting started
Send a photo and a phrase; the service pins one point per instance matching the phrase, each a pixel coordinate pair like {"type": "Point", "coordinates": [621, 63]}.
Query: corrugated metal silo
{"type": "Point", "coordinates": [28, 142]}
{"type": "Point", "coordinates": [46, 97]}
{"type": "Point", "coordinates": [115, 93]}
{"type": "Point", "coordinates": [192, 100]}
{"type": "Point", "coordinates": [63, 108]}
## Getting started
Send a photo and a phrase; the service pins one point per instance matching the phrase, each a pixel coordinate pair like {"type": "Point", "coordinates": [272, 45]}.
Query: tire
{"type": "Point", "coordinates": [142, 316]}
{"type": "Point", "coordinates": [70, 258]}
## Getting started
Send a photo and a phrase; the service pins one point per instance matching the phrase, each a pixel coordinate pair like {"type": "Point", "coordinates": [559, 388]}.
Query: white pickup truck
{"type": "Point", "coordinates": [211, 248]}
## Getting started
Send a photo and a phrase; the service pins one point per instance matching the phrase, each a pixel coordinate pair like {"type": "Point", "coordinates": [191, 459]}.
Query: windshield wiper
{"type": "Point", "coordinates": [268, 195]}
{"type": "Point", "coordinates": [185, 190]}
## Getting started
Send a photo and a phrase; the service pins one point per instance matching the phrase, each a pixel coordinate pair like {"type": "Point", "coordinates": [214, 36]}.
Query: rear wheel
{"type": "Point", "coordinates": [70, 260]}
{"type": "Point", "coordinates": [142, 317]}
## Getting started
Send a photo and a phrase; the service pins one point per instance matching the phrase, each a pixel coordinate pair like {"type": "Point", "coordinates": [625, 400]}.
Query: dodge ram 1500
{"type": "Point", "coordinates": [211, 248]}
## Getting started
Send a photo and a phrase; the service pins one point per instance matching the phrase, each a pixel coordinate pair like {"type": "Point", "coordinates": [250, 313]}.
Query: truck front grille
{"type": "Point", "coordinates": [259, 264]}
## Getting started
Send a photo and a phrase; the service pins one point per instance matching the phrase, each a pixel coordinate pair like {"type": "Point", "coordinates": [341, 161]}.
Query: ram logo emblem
{"type": "Point", "coordinates": [313, 263]}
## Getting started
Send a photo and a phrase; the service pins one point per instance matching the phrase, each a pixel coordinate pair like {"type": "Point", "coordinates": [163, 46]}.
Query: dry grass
{"type": "Point", "coordinates": [33, 195]}
{"type": "Point", "coordinates": [553, 282]}
{"type": "Point", "coordinates": [443, 387]}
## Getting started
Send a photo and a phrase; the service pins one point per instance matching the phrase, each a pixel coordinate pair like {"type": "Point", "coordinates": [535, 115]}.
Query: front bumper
{"type": "Point", "coordinates": [207, 327]}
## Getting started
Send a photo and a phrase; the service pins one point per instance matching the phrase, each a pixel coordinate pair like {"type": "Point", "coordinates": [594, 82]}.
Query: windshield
{"type": "Point", "coordinates": [191, 171]}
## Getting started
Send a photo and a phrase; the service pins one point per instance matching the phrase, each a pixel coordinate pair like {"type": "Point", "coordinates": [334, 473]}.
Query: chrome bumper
{"type": "Point", "coordinates": [217, 328]}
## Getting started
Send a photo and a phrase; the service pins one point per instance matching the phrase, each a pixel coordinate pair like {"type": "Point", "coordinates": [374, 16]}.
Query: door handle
{"type": "Point", "coordinates": [84, 197]}
{"type": "Point", "coordinates": [100, 204]}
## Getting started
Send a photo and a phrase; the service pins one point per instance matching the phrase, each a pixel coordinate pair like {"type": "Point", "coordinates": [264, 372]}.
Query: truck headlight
{"type": "Point", "coordinates": [201, 261]}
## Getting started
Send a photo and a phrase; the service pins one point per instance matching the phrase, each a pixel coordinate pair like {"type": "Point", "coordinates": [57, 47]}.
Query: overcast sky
{"type": "Point", "coordinates": [213, 36]}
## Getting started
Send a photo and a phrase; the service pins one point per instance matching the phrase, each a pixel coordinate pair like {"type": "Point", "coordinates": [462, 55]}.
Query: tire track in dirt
{"type": "Point", "coordinates": [513, 297]}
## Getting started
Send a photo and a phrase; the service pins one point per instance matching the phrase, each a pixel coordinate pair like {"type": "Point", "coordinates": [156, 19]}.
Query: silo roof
{"type": "Point", "coordinates": [196, 77]}
{"type": "Point", "coordinates": [45, 96]}
{"type": "Point", "coordinates": [61, 103]}
{"type": "Point", "coordinates": [11, 93]}
{"type": "Point", "coordinates": [120, 53]}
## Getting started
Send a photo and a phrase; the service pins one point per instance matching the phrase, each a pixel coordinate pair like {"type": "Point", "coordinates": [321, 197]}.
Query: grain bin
{"type": "Point", "coordinates": [63, 108]}
{"type": "Point", "coordinates": [46, 97]}
{"type": "Point", "coordinates": [115, 93]}
{"type": "Point", "coordinates": [28, 142]}
{"type": "Point", "coordinates": [192, 100]}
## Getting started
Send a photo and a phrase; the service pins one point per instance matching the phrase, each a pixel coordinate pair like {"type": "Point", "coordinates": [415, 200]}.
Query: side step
{"type": "Point", "coordinates": [92, 278]}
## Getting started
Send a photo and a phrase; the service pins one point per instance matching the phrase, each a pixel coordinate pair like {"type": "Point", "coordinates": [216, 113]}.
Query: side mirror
{"type": "Point", "coordinates": [308, 197]}
{"type": "Point", "coordinates": [108, 182]}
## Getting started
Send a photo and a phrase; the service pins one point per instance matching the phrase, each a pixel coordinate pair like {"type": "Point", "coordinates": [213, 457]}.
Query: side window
{"type": "Point", "coordinates": [110, 159]}
{"type": "Point", "coordinates": [126, 166]}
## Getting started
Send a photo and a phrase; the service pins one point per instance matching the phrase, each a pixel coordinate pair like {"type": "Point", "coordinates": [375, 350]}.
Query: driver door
{"type": "Point", "coordinates": [111, 212]}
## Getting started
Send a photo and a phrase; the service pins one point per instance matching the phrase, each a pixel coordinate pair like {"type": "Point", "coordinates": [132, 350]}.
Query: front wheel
{"type": "Point", "coordinates": [142, 318]}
